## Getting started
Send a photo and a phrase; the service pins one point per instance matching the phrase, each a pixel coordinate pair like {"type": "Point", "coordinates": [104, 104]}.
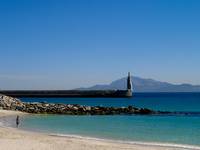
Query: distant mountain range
{"type": "Point", "coordinates": [146, 85]}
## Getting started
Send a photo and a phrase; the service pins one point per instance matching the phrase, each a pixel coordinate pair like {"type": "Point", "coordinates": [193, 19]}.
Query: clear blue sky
{"type": "Point", "coordinates": [63, 44]}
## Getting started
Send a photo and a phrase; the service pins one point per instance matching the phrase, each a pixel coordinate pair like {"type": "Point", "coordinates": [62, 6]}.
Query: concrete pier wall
{"type": "Point", "coordinates": [67, 93]}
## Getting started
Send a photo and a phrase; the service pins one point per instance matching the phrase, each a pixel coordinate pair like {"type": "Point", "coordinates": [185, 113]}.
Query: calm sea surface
{"type": "Point", "coordinates": [156, 101]}
{"type": "Point", "coordinates": [181, 129]}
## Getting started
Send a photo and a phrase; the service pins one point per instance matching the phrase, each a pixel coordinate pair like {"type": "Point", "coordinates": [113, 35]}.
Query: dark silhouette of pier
{"type": "Point", "coordinates": [72, 93]}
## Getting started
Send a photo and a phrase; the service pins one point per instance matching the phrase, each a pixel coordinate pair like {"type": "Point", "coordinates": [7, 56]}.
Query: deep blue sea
{"type": "Point", "coordinates": [157, 101]}
{"type": "Point", "coordinates": [179, 129]}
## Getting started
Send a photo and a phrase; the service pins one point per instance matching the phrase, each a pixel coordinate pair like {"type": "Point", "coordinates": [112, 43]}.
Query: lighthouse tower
{"type": "Point", "coordinates": [129, 86]}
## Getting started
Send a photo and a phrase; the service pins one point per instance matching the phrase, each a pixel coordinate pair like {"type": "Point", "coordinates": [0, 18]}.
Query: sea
{"type": "Point", "coordinates": [174, 129]}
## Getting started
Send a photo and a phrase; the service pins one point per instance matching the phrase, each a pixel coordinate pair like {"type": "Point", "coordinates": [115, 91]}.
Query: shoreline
{"type": "Point", "coordinates": [160, 144]}
{"type": "Point", "coordinates": [7, 134]}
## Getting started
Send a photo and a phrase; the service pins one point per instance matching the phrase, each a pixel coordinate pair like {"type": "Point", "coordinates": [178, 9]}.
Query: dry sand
{"type": "Point", "coordinates": [15, 139]}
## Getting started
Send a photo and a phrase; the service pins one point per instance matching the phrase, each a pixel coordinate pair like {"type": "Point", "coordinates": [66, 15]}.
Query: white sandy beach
{"type": "Point", "coordinates": [15, 139]}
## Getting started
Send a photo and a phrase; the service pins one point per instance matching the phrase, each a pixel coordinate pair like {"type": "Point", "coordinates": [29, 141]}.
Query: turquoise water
{"type": "Point", "coordinates": [157, 101]}
{"type": "Point", "coordinates": [181, 129]}
{"type": "Point", "coordinates": [168, 129]}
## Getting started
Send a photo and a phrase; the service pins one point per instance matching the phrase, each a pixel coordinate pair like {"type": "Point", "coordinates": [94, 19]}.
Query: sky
{"type": "Point", "coordinates": [65, 44]}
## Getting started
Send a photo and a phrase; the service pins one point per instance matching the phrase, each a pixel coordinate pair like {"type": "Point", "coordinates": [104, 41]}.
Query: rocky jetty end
{"type": "Point", "coordinates": [10, 103]}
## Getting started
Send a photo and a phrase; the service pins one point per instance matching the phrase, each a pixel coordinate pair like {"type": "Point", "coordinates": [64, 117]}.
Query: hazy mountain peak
{"type": "Point", "coordinates": [146, 85]}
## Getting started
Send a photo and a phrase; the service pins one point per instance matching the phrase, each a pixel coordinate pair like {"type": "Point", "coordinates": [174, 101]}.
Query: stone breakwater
{"type": "Point", "coordinates": [10, 103]}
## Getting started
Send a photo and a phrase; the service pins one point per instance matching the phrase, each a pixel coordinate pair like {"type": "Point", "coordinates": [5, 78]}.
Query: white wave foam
{"type": "Point", "coordinates": [173, 145]}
